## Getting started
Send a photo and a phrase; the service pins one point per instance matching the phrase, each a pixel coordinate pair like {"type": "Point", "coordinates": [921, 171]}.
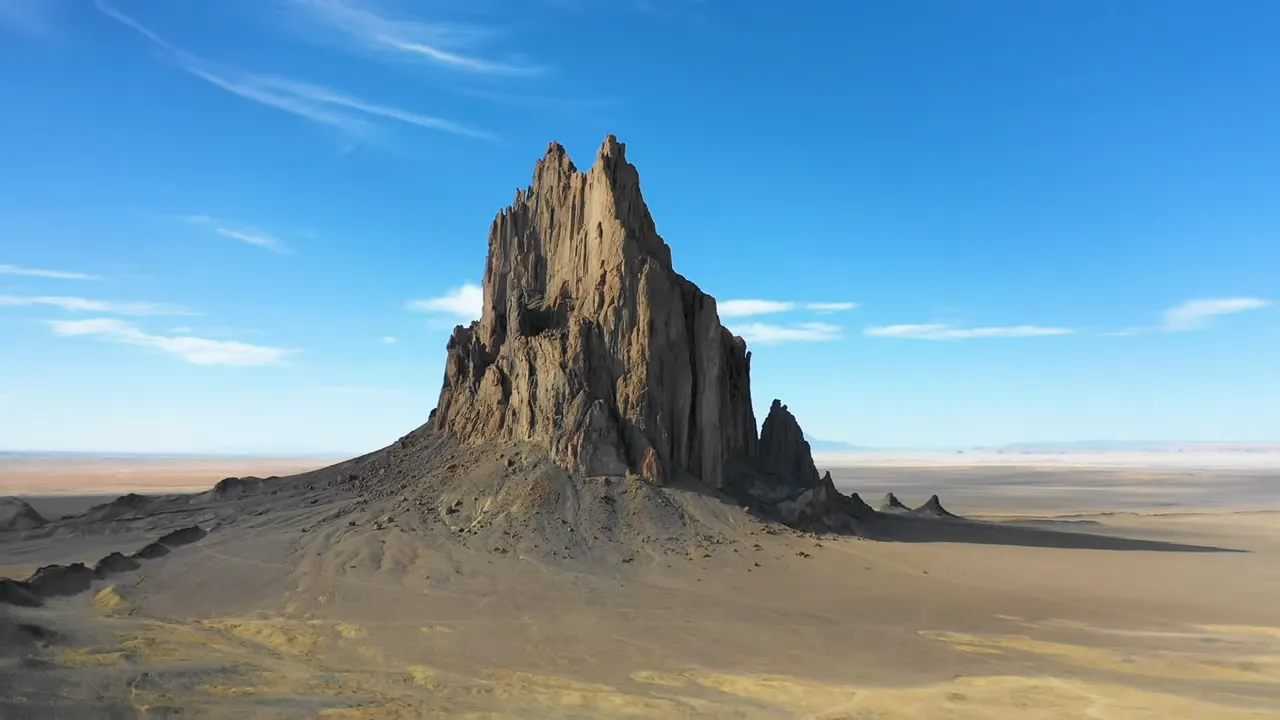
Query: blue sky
{"type": "Point", "coordinates": [248, 225]}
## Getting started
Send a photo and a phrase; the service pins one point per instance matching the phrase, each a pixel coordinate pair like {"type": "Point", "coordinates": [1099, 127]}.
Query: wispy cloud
{"type": "Point", "coordinates": [1196, 314]}
{"type": "Point", "coordinates": [79, 304]}
{"type": "Point", "coordinates": [253, 237]}
{"type": "Point", "coordinates": [244, 234]}
{"type": "Point", "coordinates": [194, 350]}
{"type": "Point", "coordinates": [441, 44]}
{"type": "Point", "coordinates": [938, 331]}
{"type": "Point", "coordinates": [767, 334]}
{"type": "Point", "coordinates": [51, 274]}
{"type": "Point", "coordinates": [355, 390]}
{"type": "Point", "coordinates": [824, 308]}
{"type": "Point", "coordinates": [747, 308]}
{"type": "Point", "coordinates": [388, 340]}
{"type": "Point", "coordinates": [313, 102]}
{"type": "Point", "coordinates": [465, 302]}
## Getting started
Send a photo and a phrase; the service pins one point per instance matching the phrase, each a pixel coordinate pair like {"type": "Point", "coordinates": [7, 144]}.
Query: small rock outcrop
{"type": "Point", "coordinates": [124, 507]}
{"type": "Point", "coordinates": [933, 508]}
{"type": "Point", "coordinates": [234, 487]}
{"type": "Point", "coordinates": [590, 343]}
{"type": "Point", "coordinates": [892, 504]}
{"type": "Point", "coordinates": [16, 514]}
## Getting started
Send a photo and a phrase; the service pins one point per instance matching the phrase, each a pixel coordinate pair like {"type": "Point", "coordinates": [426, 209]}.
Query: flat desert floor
{"type": "Point", "coordinates": [281, 615]}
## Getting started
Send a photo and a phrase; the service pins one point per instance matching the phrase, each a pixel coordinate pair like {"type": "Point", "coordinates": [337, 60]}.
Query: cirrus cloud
{"type": "Point", "coordinates": [79, 304]}
{"type": "Point", "coordinates": [436, 42]}
{"type": "Point", "coordinates": [769, 334]}
{"type": "Point", "coordinates": [940, 331]}
{"type": "Point", "coordinates": [51, 274]}
{"type": "Point", "coordinates": [194, 350]}
{"type": "Point", "coordinates": [306, 100]}
{"type": "Point", "coordinates": [747, 308]}
{"type": "Point", "coordinates": [750, 307]}
{"type": "Point", "coordinates": [1196, 314]}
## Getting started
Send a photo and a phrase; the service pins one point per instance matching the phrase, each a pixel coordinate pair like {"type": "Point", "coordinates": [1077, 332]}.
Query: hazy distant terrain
{"type": "Point", "coordinates": [91, 474]}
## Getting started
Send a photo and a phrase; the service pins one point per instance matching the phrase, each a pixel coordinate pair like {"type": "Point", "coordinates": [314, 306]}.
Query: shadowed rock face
{"type": "Point", "coordinates": [15, 514]}
{"type": "Point", "coordinates": [892, 504]}
{"type": "Point", "coordinates": [590, 343]}
{"type": "Point", "coordinates": [783, 449]}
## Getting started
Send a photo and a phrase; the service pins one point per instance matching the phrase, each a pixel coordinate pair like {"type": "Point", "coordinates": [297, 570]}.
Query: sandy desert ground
{"type": "Point", "coordinates": [318, 602]}
{"type": "Point", "coordinates": [71, 475]}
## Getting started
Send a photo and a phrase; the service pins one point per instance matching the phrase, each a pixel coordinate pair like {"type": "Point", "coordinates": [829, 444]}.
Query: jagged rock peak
{"type": "Point", "coordinates": [590, 344]}
{"type": "Point", "coordinates": [858, 507]}
{"type": "Point", "coordinates": [933, 508]}
{"type": "Point", "coordinates": [783, 448]}
{"type": "Point", "coordinates": [891, 502]}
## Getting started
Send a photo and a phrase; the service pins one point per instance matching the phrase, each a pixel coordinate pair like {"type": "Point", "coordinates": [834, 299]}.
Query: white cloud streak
{"type": "Point", "coordinates": [437, 43]}
{"type": "Point", "coordinates": [79, 304]}
{"type": "Point", "coordinates": [253, 237]}
{"type": "Point", "coordinates": [50, 274]}
{"type": "Point", "coordinates": [747, 308]}
{"type": "Point", "coordinates": [823, 308]}
{"type": "Point", "coordinates": [768, 334]}
{"type": "Point", "coordinates": [312, 102]}
{"type": "Point", "coordinates": [1196, 314]}
{"type": "Point", "coordinates": [750, 307]}
{"type": "Point", "coordinates": [937, 331]}
{"type": "Point", "coordinates": [194, 350]}
{"type": "Point", "coordinates": [355, 390]}
{"type": "Point", "coordinates": [248, 235]}
{"type": "Point", "coordinates": [465, 302]}
{"type": "Point", "coordinates": [388, 340]}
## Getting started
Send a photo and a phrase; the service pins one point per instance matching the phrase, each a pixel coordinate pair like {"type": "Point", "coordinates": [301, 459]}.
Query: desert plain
{"type": "Point", "coordinates": [324, 603]}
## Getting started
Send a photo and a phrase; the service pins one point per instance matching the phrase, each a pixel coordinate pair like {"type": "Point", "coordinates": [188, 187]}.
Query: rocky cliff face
{"type": "Point", "coordinates": [591, 344]}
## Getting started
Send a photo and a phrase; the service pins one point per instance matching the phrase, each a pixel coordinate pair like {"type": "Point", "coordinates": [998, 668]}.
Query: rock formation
{"type": "Point", "coordinates": [590, 343]}
{"type": "Point", "coordinates": [593, 347]}
{"type": "Point", "coordinates": [933, 508]}
{"type": "Point", "coordinates": [892, 504]}
{"type": "Point", "coordinates": [16, 514]}
{"type": "Point", "coordinates": [783, 449]}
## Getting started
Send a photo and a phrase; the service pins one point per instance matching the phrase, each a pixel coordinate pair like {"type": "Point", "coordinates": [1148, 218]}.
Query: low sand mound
{"type": "Point", "coordinates": [933, 508]}
{"type": "Point", "coordinates": [16, 514]}
{"type": "Point", "coordinates": [892, 504]}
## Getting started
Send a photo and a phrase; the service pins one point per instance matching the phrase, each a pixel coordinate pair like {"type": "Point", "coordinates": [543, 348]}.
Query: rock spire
{"type": "Point", "coordinates": [590, 343]}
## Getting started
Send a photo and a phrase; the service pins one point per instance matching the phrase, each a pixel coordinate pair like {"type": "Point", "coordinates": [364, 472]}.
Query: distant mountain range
{"type": "Point", "coordinates": [1135, 446]}
{"type": "Point", "coordinates": [819, 445]}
